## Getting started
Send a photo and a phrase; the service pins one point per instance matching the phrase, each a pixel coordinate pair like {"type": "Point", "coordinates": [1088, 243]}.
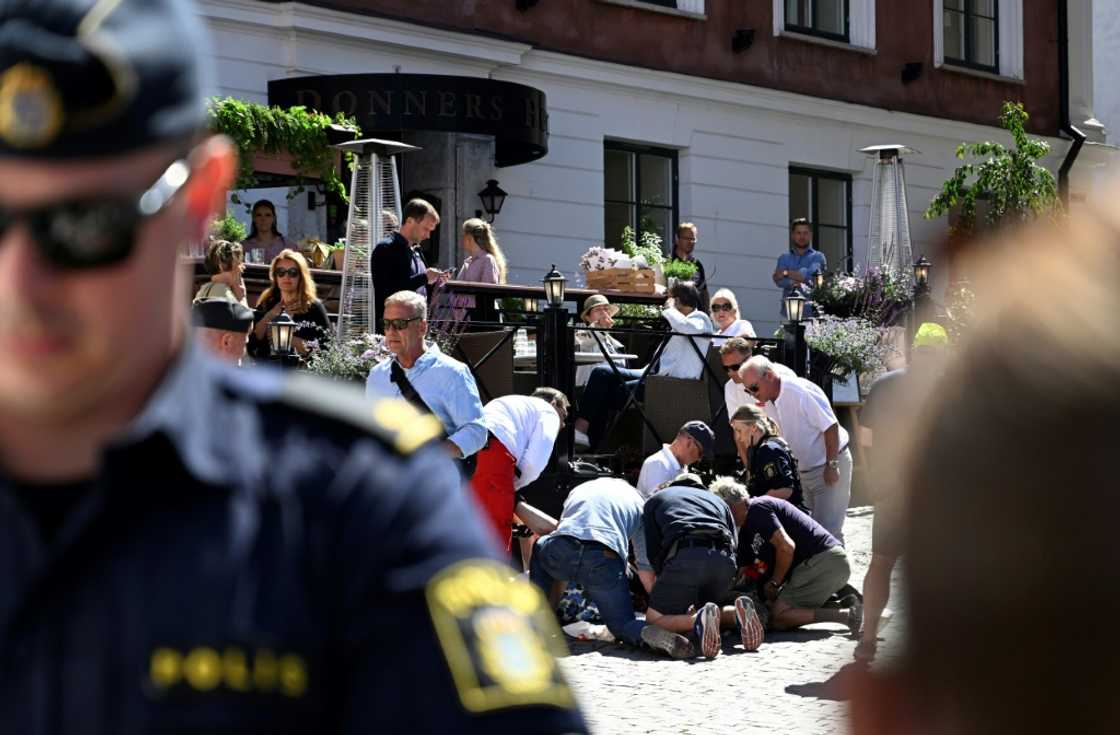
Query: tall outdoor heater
{"type": "Point", "coordinates": [375, 211]}
{"type": "Point", "coordinates": [889, 230]}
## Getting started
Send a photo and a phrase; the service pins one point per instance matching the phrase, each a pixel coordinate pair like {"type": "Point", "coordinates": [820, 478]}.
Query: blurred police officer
{"type": "Point", "coordinates": [159, 574]}
{"type": "Point", "coordinates": [222, 325]}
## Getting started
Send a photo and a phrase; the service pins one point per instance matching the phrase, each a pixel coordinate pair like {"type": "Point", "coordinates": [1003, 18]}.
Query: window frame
{"type": "Point", "coordinates": [969, 11]}
{"type": "Point", "coordinates": [638, 150]}
{"type": "Point", "coordinates": [811, 30]}
{"type": "Point", "coordinates": [814, 199]}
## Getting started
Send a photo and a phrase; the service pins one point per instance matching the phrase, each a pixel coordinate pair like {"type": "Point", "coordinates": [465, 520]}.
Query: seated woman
{"type": "Point", "coordinates": [485, 263]}
{"type": "Point", "coordinates": [225, 261]}
{"type": "Point", "coordinates": [682, 357]}
{"type": "Point", "coordinates": [725, 314]}
{"type": "Point", "coordinates": [770, 465]}
{"type": "Point", "coordinates": [599, 312]}
{"type": "Point", "coordinates": [263, 234]}
{"type": "Point", "coordinates": [291, 289]}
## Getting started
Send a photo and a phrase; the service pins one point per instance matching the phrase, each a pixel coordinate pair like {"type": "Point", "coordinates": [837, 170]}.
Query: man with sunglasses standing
{"type": "Point", "coordinates": [185, 546]}
{"type": "Point", "coordinates": [422, 374]}
{"type": "Point", "coordinates": [814, 434]}
{"type": "Point", "coordinates": [733, 354]}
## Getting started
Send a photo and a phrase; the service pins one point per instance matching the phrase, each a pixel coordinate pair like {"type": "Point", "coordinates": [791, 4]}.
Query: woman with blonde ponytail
{"type": "Point", "coordinates": [771, 466]}
{"type": "Point", "coordinates": [485, 262]}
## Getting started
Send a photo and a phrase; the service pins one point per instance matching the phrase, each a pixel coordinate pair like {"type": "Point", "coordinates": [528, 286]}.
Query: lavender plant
{"type": "Point", "coordinates": [349, 359]}
{"type": "Point", "coordinates": [853, 345]}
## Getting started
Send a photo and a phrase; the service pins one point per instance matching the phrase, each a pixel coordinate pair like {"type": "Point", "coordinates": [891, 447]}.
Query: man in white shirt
{"type": "Point", "coordinates": [523, 431]}
{"type": "Point", "coordinates": [734, 353]}
{"type": "Point", "coordinates": [693, 441]}
{"type": "Point", "coordinates": [682, 357]}
{"type": "Point", "coordinates": [816, 438]}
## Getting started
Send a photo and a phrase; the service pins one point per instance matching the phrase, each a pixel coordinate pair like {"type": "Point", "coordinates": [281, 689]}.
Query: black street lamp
{"type": "Point", "coordinates": [492, 198]}
{"type": "Point", "coordinates": [921, 272]}
{"type": "Point", "coordinates": [818, 279]}
{"type": "Point", "coordinates": [795, 307]}
{"type": "Point", "coordinates": [281, 330]}
{"type": "Point", "coordinates": [554, 287]}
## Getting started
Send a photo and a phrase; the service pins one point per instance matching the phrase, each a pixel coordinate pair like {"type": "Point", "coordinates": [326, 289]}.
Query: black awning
{"type": "Point", "coordinates": [383, 104]}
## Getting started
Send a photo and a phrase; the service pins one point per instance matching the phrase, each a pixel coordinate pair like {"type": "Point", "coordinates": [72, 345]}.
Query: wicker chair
{"type": "Point", "coordinates": [670, 403]}
{"type": "Point", "coordinates": [495, 375]}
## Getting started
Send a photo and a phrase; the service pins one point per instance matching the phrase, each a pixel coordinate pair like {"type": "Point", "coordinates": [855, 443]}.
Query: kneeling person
{"type": "Point", "coordinates": [523, 431]}
{"type": "Point", "coordinates": [798, 562]}
{"type": "Point", "coordinates": [589, 548]}
{"type": "Point", "coordinates": [690, 537]}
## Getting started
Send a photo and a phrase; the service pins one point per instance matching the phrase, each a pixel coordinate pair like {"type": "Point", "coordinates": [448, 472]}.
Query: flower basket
{"type": "Point", "coordinates": [630, 280]}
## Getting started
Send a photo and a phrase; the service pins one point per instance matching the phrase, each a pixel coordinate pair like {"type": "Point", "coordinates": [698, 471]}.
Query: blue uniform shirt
{"type": "Point", "coordinates": [264, 552]}
{"type": "Point", "coordinates": [808, 264]}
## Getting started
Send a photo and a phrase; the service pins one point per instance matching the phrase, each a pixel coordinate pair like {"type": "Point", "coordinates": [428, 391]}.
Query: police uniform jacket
{"type": "Point", "coordinates": [262, 552]}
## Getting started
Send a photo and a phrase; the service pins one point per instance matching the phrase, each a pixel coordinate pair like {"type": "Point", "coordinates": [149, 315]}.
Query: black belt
{"type": "Point", "coordinates": [699, 541]}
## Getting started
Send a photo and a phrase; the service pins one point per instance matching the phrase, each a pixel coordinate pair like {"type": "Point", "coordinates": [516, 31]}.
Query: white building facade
{"type": "Point", "coordinates": [738, 161]}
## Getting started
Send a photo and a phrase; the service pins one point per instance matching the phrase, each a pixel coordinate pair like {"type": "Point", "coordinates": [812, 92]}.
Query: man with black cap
{"type": "Point", "coordinates": [694, 441]}
{"type": "Point", "coordinates": [222, 325]}
{"type": "Point", "coordinates": [184, 546]}
{"type": "Point", "coordinates": [690, 542]}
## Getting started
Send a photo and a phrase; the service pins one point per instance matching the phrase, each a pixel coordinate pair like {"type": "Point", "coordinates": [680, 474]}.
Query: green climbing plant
{"type": "Point", "coordinates": [256, 128]}
{"type": "Point", "coordinates": [1010, 180]}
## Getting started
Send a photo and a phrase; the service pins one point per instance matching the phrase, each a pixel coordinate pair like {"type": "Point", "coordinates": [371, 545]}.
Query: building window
{"type": "Point", "coordinates": [825, 198]}
{"type": "Point", "coordinates": [640, 192]}
{"type": "Point", "coordinates": [984, 36]}
{"type": "Point", "coordinates": [693, 8]}
{"type": "Point", "coordinates": [827, 18]}
{"type": "Point", "coordinates": [971, 33]}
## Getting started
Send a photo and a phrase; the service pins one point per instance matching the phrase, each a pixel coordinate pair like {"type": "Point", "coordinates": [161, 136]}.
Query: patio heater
{"type": "Point", "coordinates": [375, 212]}
{"type": "Point", "coordinates": [889, 230]}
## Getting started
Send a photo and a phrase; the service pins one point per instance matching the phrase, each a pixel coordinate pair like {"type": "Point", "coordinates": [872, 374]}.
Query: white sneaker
{"type": "Point", "coordinates": [581, 439]}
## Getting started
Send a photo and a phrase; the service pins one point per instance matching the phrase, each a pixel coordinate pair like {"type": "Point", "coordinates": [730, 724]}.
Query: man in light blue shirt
{"type": "Point", "coordinates": [796, 267]}
{"type": "Point", "coordinates": [426, 377]}
{"type": "Point", "coordinates": [589, 547]}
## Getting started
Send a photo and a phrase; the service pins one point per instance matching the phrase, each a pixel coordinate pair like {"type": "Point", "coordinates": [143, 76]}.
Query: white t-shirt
{"type": "Point", "coordinates": [803, 413]}
{"type": "Point", "coordinates": [737, 328]}
{"type": "Point", "coordinates": [735, 395]}
{"type": "Point", "coordinates": [528, 428]}
{"type": "Point", "coordinates": [658, 468]}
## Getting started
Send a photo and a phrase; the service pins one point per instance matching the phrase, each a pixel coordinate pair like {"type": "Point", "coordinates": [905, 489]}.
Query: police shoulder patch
{"type": "Point", "coordinates": [393, 420]}
{"type": "Point", "coordinates": [498, 636]}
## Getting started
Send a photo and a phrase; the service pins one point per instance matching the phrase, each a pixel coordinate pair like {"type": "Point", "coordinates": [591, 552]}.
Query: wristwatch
{"type": "Point", "coordinates": [834, 464]}
{"type": "Point", "coordinates": [785, 273]}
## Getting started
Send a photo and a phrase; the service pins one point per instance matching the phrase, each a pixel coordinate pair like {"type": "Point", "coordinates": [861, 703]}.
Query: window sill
{"type": "Point", "coordinates": [794, 35]}
{"type": "Point", "coordinates": [949, 66]}
{"type": "Point", "coordinates": [656, 8]}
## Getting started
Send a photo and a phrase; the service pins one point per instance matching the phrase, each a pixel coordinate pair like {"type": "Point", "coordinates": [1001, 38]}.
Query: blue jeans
{"type": "Point", "coordinates": [602, 574]}
{"type": "Point", "coordinates": [605, 393]}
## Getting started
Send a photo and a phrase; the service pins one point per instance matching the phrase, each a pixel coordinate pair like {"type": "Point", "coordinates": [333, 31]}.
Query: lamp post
{"type": "Point", "coordinates": [921, 272]}
{"type": "Point", "coordinates": [921, 307]}
{"type": "Point", "coordinates": [793, 343]}
{"type": "Point", "coordinates": [556, 343]}
{"type": "Point", "coordinates": [492, 199]}
{"type": "Point", "coordinates": [281, 330]}
{"type": "Point", "coordinates": [818, 279]}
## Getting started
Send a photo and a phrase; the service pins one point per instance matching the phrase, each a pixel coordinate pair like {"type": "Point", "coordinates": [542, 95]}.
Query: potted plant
{"type": "Point", "coordinates": [844, 346]}
{"type": "Point", "coordinates": [349, 359]}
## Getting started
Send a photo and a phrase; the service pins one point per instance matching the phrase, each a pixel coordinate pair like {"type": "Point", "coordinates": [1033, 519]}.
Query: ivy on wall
{"type": "Point", "coordinates": [256, 128]}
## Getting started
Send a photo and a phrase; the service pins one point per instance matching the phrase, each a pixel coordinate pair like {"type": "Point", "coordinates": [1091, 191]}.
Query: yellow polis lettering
{"type": "Point", "coordinates": [265, 670]}
{"type": "Point", "coordinates": [166, 667]}
{"type": "Point", "coordinates": [482, 586]}
{"type": "Point", "coordinates": [235, 669]}
{"type": "Point", "coordinates": [203, 669]}
{"type": "Point", "coordinates": [293, 676]}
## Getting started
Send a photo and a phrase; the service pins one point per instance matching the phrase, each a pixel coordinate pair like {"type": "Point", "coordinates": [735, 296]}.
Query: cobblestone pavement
{"type": "Point", "coordinates": [781, 688]}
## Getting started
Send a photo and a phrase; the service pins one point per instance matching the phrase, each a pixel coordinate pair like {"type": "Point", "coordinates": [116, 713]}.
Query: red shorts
{"type": "Point", "coordinates": [492, 484]}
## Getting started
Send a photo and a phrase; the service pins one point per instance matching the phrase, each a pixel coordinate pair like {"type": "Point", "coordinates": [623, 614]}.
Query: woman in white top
{"type": "Point", "coordinates": [725, 314]}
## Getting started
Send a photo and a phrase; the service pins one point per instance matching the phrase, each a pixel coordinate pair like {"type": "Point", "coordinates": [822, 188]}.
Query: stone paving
{"type": "Point", "coordinates": [781, 688]}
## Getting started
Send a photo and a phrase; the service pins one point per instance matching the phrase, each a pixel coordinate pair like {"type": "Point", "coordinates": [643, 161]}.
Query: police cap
{"type": "Point", "coordinates": [224, 314]}
{"type": "Point", "coordinates": [83, 78]}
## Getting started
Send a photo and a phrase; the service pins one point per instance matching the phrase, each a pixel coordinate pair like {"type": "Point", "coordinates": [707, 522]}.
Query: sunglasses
{"type": "Point", "coordinates": [399, 324]}
{"type": "Point", "coordinates": [752, 388]}
{"type": "Point", "coordinates": [722, 307]}
{"type": "Point", "coordinates": [733, 368]}
{"type": "Point", "coordinates": [96, 232]}
{"type": "Point", "coordinates": [292, 272]}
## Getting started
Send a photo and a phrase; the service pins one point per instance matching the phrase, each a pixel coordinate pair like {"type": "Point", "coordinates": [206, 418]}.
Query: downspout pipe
{"type": "Point", "coordinates": [1067, 127]}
